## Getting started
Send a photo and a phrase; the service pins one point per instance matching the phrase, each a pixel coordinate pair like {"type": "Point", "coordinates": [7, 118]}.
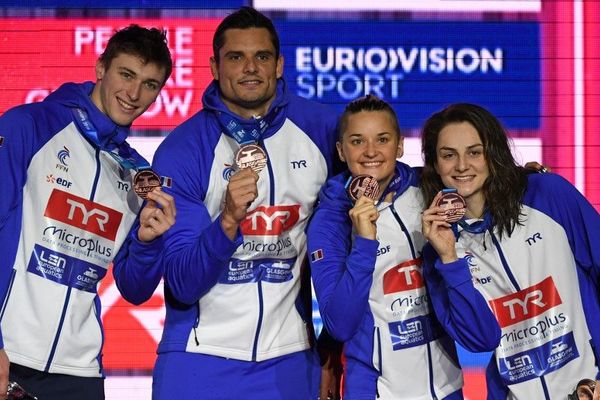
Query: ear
{"type": "Point", "coordinates": [100, 70]}
{"type": "Point", "coordinates": [340, 151]}
{"type": "Point", "coordinates": [400, 150]}
{"type": "Point", "coordinates": [279, 69]}
{"type": "Point", "coordinates": [214, 68]}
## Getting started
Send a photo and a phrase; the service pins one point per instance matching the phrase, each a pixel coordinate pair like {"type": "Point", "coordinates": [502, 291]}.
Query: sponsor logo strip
{"type": "Point", "coordinates": [404, 276]}
{"type": "Point", "coordinates": [84, 214]}
{"type": "Point", "coordinates": [413, 332]}
{"type": "Point", "coordinates": [538, 361]}
{"type": "Point", "coordinates": [265, 270]}
{"type": "Point", "coordinates": [65, 270]}
{"type": "Point", "coordinates": [270, 220]}
{"type": "Point", "coordinates": [526, 303]}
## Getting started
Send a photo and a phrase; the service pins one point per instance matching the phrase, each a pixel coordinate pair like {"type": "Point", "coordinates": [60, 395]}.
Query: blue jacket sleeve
{"type": "Point", "coordinates": [137, 267]}
{"type": "Point", "coordinates": [460, 308]}
{"type": "Point", "coordinates": [17, 147]}
{"type": "Point", "coordinates": [342, 278]}
{"type": "Point", "coordinates": [555, 196]}
{"type": "Point", "coordinates": [197, 251]}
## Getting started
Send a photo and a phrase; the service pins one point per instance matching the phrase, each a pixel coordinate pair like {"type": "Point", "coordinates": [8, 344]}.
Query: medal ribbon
{"type": "Point", "coordinates": [123, 155]}
{"type": "Point", "coordinates": [245, 131]}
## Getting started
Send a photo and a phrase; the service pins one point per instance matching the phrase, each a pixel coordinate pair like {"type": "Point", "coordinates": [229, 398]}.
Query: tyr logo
{"type": "Point", "coordinates": [84, 214]}
{"type": "Point", "coordinates": [270, 220]}
{"type": "Point", "coordinates": [404, 276]}
{"type": "Point", "coordinates": [101, 219]}
{"type": "Point", "coordinates": [533, 239]}
{"type": "Point", "coordinates": [298, 164]}
{"type": "Point", "coordinates": [526, 303]}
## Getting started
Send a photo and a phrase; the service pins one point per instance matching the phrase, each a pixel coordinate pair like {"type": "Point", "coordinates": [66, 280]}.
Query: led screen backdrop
{"type": "Point", "coordinates": [533, 63]}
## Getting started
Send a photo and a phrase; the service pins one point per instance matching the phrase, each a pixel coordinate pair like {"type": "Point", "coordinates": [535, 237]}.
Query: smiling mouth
{"type": "Point", "coordinates": [463, 178]}
{"type": "Point", "coordinates": [125, 105]}
{"type": "Point", "coordinates": [371, 164]}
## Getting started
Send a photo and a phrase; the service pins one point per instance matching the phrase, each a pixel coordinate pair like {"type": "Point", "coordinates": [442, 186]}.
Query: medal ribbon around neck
{"type": "Point", "coordinates": [145, 180]}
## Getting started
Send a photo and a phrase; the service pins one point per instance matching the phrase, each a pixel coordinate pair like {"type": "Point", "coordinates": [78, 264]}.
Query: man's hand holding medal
{"type": "Point", "coordinates": [242, 189]}
{"type": "Point", "coordinates": [158, 214]}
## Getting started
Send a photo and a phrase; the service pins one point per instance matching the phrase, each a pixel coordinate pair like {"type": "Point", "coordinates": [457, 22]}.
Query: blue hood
{"type": "Point", "coordinates": [211, 101]}
{"type": "Point", "coordinates": [333, 196]}
{"type": "Point", "coordinates": [77, 95]}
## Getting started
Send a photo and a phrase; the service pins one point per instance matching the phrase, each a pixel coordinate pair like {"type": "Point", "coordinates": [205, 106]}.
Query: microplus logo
{"type": "Point", "coordinates": [84, 214]}
{"type": "Point", "coordinates": [526, 303]}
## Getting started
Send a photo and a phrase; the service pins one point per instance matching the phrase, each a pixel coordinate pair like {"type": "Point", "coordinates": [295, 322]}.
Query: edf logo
{"type": "Point", "coordinates": [526, 303]}
{"type": "Point", "coordinates": [83, 214]}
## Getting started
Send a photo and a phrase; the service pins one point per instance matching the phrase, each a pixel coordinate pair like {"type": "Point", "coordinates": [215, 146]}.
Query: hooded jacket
{"type": "Point", "coordinates": [372, 296]}
{"type": "Point", "coordinates": [240, 299]}
{"type": "Point", "coordinates": [542, 282]}
{"type": "Point", "coordinates": [66, 209]}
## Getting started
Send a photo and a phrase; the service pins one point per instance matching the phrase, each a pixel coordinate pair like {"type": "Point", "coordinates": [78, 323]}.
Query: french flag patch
{"type": "Point", "coordinates": [166, 181]}
{"type": "Point", "coordinates": [316, 255]}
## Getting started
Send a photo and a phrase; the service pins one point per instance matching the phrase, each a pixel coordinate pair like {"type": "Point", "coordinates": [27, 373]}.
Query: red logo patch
{"type": "Point", "coordinates": [84, 214]}
{"type": "Point", "coordinates": [270, 220]}
{"type": "Point", "coordinates": [526, 303]}
{"type": "Point", "coordinates": [404, 276]}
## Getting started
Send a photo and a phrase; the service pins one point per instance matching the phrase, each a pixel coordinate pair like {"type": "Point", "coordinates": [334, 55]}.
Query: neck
{"type": "Point", "coordinates": [246, 112]}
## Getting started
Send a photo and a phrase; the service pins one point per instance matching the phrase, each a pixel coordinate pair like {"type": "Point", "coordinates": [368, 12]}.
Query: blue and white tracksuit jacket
{"type": "Point", "coordinates": [372, 296]}
{"type": "Point", "coordinates": [542, 283]}
{"type": "Point", "coordinates": [239, 299]}
{"type": "Point", "coordinates": [66, 208]}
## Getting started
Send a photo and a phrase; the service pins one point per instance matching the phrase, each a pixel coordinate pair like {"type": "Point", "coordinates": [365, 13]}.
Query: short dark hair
{"type": "Point", "coordinates": [150, 44]}
{"type": "Point", "coordinates": [505, 186]}
{"type": "Point", "coordinates": [367, 103]}
{"type": "Point", "coordinates": [244, 18]}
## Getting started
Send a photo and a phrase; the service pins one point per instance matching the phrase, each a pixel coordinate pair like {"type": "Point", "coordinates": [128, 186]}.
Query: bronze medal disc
{"type": "Point", "coordinates": [251, 156]}
{"type": "Point", "coordinates": [363, 185]}
{"type": "Point", "coordinates": [144, 182]}
{"type": "Point", "coordinates": [454, 206]}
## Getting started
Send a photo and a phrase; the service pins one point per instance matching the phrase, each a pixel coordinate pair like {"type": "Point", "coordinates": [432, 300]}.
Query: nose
{"type": "Point", "coordinates": [461, 164]}
{"type": "Point", "coordinates": [370, 150]}
{"type": "Point", "coordinates": [250, 65]}
{"type": "Point", "coordinates": [133, 91]}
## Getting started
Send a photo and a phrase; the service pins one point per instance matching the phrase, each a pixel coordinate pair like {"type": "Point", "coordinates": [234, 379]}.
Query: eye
{"type": "Point", "coordinates": [384, 139]}
{"type": "Point", "coordinates": [126, 75]}
{"type": "Point", "coordinates": [234, 57]}
{"type": "Point", "coordinates": [355, 142]}
{"type": "Point", "coordinates": [446, 156]}
{"type": "Point", "coordinates": [264, 57]}
{"type": "Point", "coordinates": [151, 86]}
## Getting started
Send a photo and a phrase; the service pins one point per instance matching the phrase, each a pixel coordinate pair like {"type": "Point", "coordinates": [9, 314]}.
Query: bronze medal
{"type": "Point", "coordinates": [454, 206]}
{"type": "Point", "coordinates": [251, 156]}
{"type": "Point", "coordinates": [144, 182]}
{"type": "Point", "coordinates": [363, 185]}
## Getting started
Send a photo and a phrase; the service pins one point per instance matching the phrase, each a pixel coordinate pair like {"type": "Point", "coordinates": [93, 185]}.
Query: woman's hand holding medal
{"type": "Point", "coordinates": [436, 224]}
{"type": "Point", "coordinates": [364, 189]}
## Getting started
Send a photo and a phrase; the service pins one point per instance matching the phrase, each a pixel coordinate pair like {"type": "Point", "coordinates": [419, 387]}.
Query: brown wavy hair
{"type": "Point", "coordinates": [505, 186]}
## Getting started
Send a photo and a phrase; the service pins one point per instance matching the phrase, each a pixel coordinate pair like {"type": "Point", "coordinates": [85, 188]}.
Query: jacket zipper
{"type": "Point", "coordinates": [10, 285]}
{"type": "Point", "coordinates": [259, 277]}
{"type": "Point", "coordinates": [414, 256]}
{"type": "Point", "coordinates": [513, 280]}
{"type": "Point", "coordinates": [68, 295]}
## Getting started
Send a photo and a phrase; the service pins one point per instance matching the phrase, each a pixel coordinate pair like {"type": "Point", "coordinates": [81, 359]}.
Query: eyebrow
{"type": "Point", "coordinates": [468, 147]}
{"type": "Point", "coordinates": [125, 69]}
